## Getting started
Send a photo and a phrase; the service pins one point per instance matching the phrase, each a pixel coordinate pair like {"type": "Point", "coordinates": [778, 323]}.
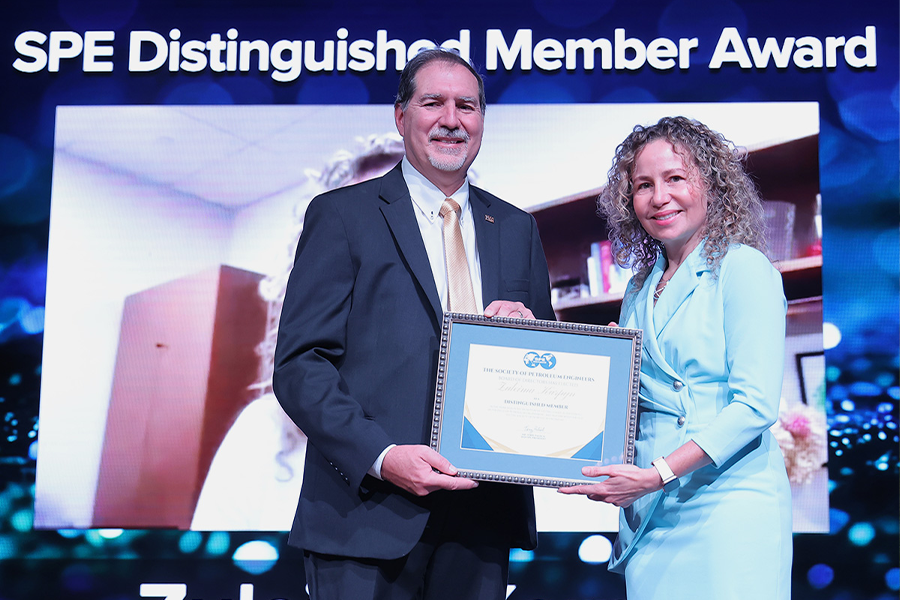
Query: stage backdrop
{"type": "Point", "coordinates": [156, 160]}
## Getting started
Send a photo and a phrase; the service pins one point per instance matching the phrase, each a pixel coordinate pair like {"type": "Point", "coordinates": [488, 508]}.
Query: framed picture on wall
{"type": "Point", "coordinates": [811, 371]}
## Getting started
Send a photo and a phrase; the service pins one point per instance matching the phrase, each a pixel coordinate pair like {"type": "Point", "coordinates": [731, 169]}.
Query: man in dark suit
{"type": "Point", "coordinates": [381, 515]}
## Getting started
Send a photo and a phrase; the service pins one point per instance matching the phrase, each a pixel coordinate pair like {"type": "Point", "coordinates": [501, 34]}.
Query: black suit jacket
{"type": "Point", "coordinates": [356, 358]}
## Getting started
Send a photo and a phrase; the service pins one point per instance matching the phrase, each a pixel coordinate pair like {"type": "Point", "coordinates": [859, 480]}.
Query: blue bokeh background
{"type": "Point", "coordinates": [859, 167]}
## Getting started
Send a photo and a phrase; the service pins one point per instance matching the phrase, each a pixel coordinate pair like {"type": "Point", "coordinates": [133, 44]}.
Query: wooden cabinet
{"type": "Point", "coordinates": [185, 363]}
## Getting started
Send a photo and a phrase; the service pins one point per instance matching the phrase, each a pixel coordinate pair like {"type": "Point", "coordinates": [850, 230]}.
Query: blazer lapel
{"type": "Point", "coordinates": [679, 289]}
{"type": "Point", "coordinates": [487, 237]}
{"type": "Point", "coordinates": [398, 212]}
{"type": "Point", "coordinates": [647, 320]}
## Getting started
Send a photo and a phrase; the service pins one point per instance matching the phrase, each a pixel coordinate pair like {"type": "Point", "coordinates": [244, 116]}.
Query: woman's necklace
{"type": "Point", "coordinates": [659, 289]}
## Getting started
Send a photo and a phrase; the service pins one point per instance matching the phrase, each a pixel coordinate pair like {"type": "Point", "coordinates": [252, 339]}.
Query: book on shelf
{"type": "Point", "coordinates": [604, 275]}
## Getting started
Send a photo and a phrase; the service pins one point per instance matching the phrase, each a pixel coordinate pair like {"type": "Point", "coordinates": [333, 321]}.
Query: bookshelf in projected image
{"type": "Point", "coordinates": [787, 175]}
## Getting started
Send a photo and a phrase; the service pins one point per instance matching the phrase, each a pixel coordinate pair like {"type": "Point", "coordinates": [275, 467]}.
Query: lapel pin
{"type": "Point", "coordinates": [489, 218]}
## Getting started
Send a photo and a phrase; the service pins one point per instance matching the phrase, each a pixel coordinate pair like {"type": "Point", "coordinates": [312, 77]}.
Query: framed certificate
{"type": "Point", "coordinates": [532, 402]}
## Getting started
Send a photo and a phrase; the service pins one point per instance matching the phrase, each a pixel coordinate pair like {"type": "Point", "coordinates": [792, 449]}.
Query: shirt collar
{"type": "Point", "coordinates": [427, 197]}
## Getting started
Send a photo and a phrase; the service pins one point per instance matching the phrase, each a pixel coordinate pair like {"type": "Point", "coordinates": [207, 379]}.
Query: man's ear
{"type": "Point", "coordinates": [398, 118]}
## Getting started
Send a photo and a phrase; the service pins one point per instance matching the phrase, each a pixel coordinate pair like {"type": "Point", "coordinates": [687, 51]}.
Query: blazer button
{"type": "Point", "coordinates": [677, 385]}
{"type": "Point", "coordinates": [681, 421]}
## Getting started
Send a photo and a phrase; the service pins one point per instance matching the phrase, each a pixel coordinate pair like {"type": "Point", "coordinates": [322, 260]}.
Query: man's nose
{"type": "Point", "coordinates": [450, 116]}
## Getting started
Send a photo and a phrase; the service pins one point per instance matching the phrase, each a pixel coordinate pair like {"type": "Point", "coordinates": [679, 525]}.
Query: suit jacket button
{"type": "Point", "coordinates": [677, 385]}
{"type": "Point", "coordinates": [681, 421]}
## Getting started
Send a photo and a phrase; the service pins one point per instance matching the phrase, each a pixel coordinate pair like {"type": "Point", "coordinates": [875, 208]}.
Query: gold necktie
{"type": "Point", "coordinates": [460, 297]}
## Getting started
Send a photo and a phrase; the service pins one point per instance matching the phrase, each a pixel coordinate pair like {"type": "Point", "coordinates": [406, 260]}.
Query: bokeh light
{"type": "Point", "coordinates": [861, 534]}
{"type": "Point", "coordinates": [218, 543]}
{"type": "Point", "coordinates": [820, 576]}
{"type": "Point", "coordinates": [892, 579]}
{"type": "Point", "coordinates": [190, 541]}
{"type": "Point", "coordinates": [255, 557]}
{"type": "Point", "coordinates": [517, 555]}
{"type": "Point", "coordinates": [110, 534]}
{"type": "Point", "coordinates": [831, 335]}
{"type": "Point", "coordinates": [595, 549]}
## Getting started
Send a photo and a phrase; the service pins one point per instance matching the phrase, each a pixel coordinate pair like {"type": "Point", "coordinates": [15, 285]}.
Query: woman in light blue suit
{"type": "Point", "coordinates": [706, 508]}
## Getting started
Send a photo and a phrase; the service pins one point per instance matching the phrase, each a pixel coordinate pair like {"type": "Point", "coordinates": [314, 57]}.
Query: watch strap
{"type": "Point", "coordinates": [669, 479]}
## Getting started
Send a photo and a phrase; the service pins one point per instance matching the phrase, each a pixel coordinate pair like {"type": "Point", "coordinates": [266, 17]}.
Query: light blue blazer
{"type": "Point", "coordinates": [711, 372]}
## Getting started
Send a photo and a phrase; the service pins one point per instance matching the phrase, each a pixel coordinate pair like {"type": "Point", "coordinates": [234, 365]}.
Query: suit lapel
{"type": "Point", "coordinates": [487, 237]}
{"type": "Point", "coordinates": [398, 212]}
{"type": "Point", "coordinates": [647, 317]}
{"type": "Point", "coordinates": [679, 289]}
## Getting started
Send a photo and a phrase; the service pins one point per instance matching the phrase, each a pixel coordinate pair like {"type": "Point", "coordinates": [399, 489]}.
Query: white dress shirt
{"type": "Point", "coordinates": [427, 200]}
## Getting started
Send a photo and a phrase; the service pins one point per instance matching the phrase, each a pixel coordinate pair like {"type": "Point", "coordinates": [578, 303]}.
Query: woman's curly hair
{"type": "Point", "coordinates": [734, 213]}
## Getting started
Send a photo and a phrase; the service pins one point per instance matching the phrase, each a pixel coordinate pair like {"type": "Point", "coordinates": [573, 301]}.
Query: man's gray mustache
{"type": "Point", "coordinates": [455, 134]}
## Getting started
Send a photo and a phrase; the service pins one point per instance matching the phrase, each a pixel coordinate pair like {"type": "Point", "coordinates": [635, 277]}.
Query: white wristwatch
{"type": "Point", "coordinates": [669, 479]}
